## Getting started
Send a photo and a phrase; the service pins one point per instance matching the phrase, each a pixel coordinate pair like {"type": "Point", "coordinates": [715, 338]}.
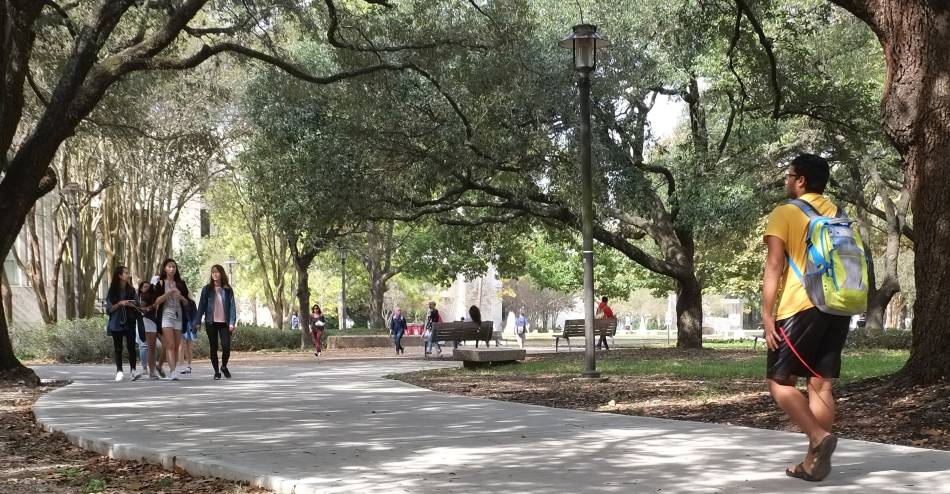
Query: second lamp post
{"type": "Point", "coordinates": [584, 42]}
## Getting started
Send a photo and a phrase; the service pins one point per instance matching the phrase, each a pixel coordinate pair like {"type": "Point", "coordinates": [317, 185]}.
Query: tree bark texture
{"type": "Point", "coordinates": [915, 35]}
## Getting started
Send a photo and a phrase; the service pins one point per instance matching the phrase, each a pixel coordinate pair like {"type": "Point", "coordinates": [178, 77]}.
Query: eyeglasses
{"type": "Point", "coordinates": [790, 175]}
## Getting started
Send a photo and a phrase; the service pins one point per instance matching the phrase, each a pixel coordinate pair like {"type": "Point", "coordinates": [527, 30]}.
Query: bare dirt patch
{"type": "Point", "coordinates": [870, 410]}
{"type": "Point", "coordinates": [35, 461]}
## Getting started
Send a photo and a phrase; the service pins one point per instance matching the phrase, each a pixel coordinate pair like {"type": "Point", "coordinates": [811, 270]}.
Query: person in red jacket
{"type": "Point", "coordinates": [603, 311]}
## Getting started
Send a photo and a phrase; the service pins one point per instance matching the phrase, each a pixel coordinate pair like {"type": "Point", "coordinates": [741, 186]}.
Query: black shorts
{"type": "Point", "coordinates": [817, 337]}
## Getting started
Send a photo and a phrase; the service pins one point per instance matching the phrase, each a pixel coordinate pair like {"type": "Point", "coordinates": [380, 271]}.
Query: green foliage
{"type": "Point", "coordinates": [85, 341]}
{"type": "Point", "coordinates": [253, 338]}
{"type": "Point", "coordinates": [888, 339]}
{"type": "Point", "coordinates": [191, 263]}
{"type": "Point", "coordinates": [94, 485]}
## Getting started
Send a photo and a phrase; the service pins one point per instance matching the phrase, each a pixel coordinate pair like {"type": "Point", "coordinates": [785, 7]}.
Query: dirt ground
{"type": "Point", "coordinates": [869, 410]}
{"type": "Point", "coordinates": [35, 461]}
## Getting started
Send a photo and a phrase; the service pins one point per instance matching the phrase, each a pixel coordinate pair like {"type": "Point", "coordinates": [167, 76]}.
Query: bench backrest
{"type": "Point", "coordinates": [462, 331]}
{"type": "Point", "coordinates": [604, 326]}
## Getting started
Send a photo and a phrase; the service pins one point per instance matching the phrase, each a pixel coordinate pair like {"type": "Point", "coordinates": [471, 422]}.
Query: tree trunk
{"type": "Point", "coordinates": [377, 294]}
{"type": "Point", "coordinates": [689, 314]}
{"type": "Point", "coordinates": [916, 112]}
{"type": "Point", "coordinates": [302, 262]}
{"type": "Point", "coordinates": [37, 275]}
{"type": "Point", "coordinates": [303, 298]}
{"type": "Point", "coordinates": [10, 368]}
{"type": "Point", "coordinates": [6, 293]}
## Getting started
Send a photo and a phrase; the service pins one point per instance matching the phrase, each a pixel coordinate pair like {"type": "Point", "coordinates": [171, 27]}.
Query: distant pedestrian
{"type": "Point", "coordinates": [603, 312]}
{"type": "Point", "coordinates": [189, 333]}
{"type": "Point", "coordinates": [397, 328]}
{"type": "Point", "coordinates": [521, 329]}
{"type": "Point", "coordinates": [294, 321]}
{"type": "Point", "coordinates": [802, 340]}
{"type": "Point", "coordinates": [216, 307]}
{"type": "Point", "coordinates": [432, 317]}
{"type": "Point", "coordinates": [317, 324]}
{"type": "Point", "coordinates": [149, 322]}
{"type": "Point", "coordinates": [171, 294]}
{"type": "Point", "coordinates": [122, 319]}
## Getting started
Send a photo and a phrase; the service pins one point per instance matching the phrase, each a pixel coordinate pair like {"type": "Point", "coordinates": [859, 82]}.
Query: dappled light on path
{"type": "Point", "coordinates": [341, 427]}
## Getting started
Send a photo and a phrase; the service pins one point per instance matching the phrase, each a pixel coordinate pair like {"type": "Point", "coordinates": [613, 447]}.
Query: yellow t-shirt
{"type": "Point", "coordinates": [790, 224]}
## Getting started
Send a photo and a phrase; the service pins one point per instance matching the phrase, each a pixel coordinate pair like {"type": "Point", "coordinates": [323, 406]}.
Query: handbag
{"type": "Point", "coordinates": [189, 334]}
{"type": "Point", "coordinates": [116, 321]}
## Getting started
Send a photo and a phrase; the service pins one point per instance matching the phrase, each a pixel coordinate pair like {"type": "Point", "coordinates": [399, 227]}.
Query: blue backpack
{"type": "Point", "coordinates": [836, 270]}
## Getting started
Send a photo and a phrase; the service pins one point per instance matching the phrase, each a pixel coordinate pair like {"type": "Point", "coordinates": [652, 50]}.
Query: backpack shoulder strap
{"type": "Point", "coordinates": [807, 208]}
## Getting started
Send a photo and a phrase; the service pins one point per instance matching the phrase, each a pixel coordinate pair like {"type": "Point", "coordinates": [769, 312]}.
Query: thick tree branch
{"type": "Point", "coordinates": [67, 21]}
{"type": "Point", "coordinates": [767, 45]}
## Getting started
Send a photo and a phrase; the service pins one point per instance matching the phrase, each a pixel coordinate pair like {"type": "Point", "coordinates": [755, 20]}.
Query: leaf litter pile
{"type": "Point", "coordinates": [35, 461]}
{"type": "Point", "coordinates": [870, 409]}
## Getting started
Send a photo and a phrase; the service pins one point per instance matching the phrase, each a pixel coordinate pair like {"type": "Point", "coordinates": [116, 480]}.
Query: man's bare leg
{"type": "Point", "coordinates": [798, 408]}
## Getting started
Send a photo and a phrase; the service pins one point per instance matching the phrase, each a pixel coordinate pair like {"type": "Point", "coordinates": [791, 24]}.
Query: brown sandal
{"type": "Point", "coordinates": [823, 458]}
{"type": "Point", "coordinates": [798, 472]}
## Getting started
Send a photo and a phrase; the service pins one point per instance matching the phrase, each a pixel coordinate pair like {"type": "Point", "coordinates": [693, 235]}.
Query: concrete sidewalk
{"type": "Point", "coordinates": [339, 426]}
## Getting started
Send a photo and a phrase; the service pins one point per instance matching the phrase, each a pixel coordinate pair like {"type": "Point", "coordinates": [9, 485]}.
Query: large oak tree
{"type": "Point", "coordinates": [915, 114]}
{"type": "Point", "coordinates": [104, 42]}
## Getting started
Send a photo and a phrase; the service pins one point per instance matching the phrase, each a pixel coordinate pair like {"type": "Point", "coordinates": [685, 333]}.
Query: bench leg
{"type": "Point", "coordinates": [556, 341]}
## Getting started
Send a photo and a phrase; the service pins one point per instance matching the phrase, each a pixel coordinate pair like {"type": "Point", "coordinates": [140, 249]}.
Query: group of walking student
{"type": "Point", "coordinates": [166, 319]}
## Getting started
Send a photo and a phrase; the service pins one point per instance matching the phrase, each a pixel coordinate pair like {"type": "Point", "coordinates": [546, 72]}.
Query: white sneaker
{"type": "Point", "coordinates": [154, 377]}
{"type": "Point", "coordinates": [119, 375]}
{"type": "Point", "coordinates": [134, 376]}
{"type": "Point", "coordinates": [186, 370]}
{"type": "Point", "coordinates": [174, 376]}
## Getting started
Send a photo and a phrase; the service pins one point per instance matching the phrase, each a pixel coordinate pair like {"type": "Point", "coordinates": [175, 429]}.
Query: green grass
{"type": "Point", "coordinates": [94, 485]}
{"type": "Point", "coordinates": [855, 365]}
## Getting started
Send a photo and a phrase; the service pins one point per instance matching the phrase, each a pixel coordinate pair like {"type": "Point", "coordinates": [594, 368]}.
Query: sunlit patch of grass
{"type": "Point", "coordinates": [855, 365]}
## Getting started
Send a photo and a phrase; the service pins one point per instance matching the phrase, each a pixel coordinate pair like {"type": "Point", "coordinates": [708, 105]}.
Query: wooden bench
{"type": "Point", "coordinates": [460, 332]}
{"type": "Point", "coordinates": [575, 328]}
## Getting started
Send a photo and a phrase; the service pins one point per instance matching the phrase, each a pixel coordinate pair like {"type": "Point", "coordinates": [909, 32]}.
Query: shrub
{"type": "Point", "coordinates": [889, 339]}
{"type": "Point", "coordinates": [85, 341]}
{"type": "Point", "coordinates": [251, 338]}
{"type": "Point", "coordinates": [76, 341]}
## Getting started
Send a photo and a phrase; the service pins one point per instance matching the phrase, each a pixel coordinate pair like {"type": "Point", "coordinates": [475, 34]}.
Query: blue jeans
{"type": "Point", "coordinates": [397, 336]}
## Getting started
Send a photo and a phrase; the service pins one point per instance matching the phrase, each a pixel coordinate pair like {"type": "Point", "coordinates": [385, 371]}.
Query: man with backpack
{"type": "Point", "coordinates": [816, 261]}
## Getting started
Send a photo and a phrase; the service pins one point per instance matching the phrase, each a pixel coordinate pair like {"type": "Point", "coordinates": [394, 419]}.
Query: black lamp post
{"type": "Point", "coordinates": [343, 290]}
{"type": "Point", "coordinates": [584, 43]}
{"type": "Point", "coordinates": [72, 190]}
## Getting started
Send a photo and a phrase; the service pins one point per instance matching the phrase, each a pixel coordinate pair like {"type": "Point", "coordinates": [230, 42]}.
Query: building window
{"type": "Point", "coordinates": [205, 218]}
{"type": "Point", "coordinates": [11, 269]}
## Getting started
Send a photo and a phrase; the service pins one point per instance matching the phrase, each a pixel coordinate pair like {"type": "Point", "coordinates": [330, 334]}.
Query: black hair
{"type": "Point", "coordinates": [816, 171]}
{"type": "Point", "coordinates": [114, 285]}
{"type": "Point", "coordinates": [182, 286]}
{"type": "Point", "coordinates": [604, 299]}
{"type": "Point", "coordinates": [475, 314]}
{"type": "Point", "coordinates": [222, 276]}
